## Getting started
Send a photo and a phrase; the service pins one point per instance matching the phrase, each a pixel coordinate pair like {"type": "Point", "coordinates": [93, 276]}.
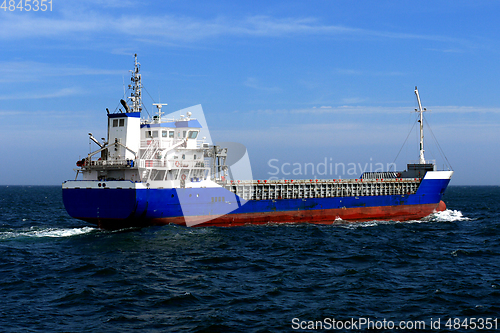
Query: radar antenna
{"type": "Point", "coordinates": [159, 105]}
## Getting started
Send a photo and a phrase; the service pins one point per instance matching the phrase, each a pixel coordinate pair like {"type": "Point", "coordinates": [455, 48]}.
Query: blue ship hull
{"type": "Point", "coordinates": [124, 207]}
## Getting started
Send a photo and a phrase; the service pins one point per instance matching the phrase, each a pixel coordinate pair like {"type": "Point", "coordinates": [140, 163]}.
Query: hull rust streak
{"type": "Point", "coordinates": [325, 216]}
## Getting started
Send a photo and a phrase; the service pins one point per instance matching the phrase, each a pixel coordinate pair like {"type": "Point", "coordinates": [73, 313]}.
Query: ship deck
{"type": "Point", "coordinates": [297, 189]}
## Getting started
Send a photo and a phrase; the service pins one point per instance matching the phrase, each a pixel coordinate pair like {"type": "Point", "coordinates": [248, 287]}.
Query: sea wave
{"type": "Point", "coordinates": [34, 232]}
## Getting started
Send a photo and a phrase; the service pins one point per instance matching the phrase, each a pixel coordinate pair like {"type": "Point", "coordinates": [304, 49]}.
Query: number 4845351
{"type": "Point", "coordinates": [26, 5]}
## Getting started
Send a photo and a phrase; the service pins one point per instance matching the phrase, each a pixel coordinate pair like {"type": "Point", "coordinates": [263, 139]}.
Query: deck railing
{"type": "Point", "coordinates": [167, 143]}
{"type": "Point", "coordinates": [111, 163]}
{"type": "Point", "coordinates": [172, 164]}
{"type": "Point", "coordinates": [300, 189]}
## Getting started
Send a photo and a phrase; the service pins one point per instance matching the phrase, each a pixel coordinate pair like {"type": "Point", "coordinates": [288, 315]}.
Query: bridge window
{"type": "Point", "coordinates": [167, 134]}
{"type": "Point", "coordinates": [115, 122]}
{"type": "Point", "coordinates": [172, 174]}
{"type": "Point", "coordinates": [149, 134]}
{"type": "Point", "coordinates": [155, 134]}
{"type": "Point", "coordinates": [192, 134]}
{"type": "Point", "coordinates": [157, 174]}
{"type": "Point", "coordinates": [122, 122]}
{"type": "Point", "coordinates": [160, 175]}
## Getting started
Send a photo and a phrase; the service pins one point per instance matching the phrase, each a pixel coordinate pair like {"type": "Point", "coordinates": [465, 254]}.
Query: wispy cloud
{"type": "Point", "coordinates": [109, 3]}
{"type": "Point", "coordinates": [176, 28]}
{"type": "Point", "coordinates": [353, 100]}
{"type": "Point", "coordinates": [320, 132]}
{"type": "Point", "coordinates": [346, 109]}
{"type": "Point", "coordinates": [15, 26]}
{"type": "Point", "coordinates": [24, 71]}
{"type": "Point", "coordinates": [447, 50]}
{"type": "Point", "coordinates": [11, 113]}
{"type": "Point", "coordinates": [379, 110]}
{"type": "Point", "coordinates": [464, 109]}
{"type": "Point", "coordinates": [357, 72]}
{"type": "Point", "coordinates": [254, 83]}
{"type": "Point", "coordinates": [58, 93]}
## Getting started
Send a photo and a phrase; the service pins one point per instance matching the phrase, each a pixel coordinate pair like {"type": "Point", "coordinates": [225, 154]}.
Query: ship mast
{"type": "Point", "coordinates": [136, 97]}
{"type": "Point", "coordinates": [420, 110]}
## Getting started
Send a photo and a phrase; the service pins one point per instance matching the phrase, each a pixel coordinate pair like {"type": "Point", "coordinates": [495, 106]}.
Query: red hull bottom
{"type": "Point", "coordinates": [325, 216]}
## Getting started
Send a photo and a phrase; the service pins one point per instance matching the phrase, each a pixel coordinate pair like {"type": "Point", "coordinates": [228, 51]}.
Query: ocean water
{"type": "Point", "coordinates": [59, 274]}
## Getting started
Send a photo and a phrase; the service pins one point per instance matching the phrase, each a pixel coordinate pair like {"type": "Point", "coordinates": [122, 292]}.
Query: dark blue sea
{"type": "Point", "coordinates": [58, 274]}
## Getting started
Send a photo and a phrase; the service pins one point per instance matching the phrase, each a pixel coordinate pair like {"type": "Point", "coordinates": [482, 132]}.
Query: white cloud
{"type": "Point", "coordinates": [109, 3]}
{"type": "Point", "coordinates": [380, 110]}
{"type": "Point", "coordinates": [352, 100]}
{"type": "Point", "coordinates": [58, 93]}
{"type": "Point", "coordinates": [180, 28]}
{"type": "Point", "coordinates": [16, 26]}
{"type": "Point", "coordinates": [315, 135]}
{"type": "Point", "coordinates": [11, 113]}
{"type": "Point", "coordinates": [355, 72]}
{"type": "Point", "coordinates": [463, 109]}
{"type": "Point", "coordinates": [350, 133]}
{"type": "Point", "coordinates": [27, 71]}
{"type": "Point", "coordinates": [254, 83]}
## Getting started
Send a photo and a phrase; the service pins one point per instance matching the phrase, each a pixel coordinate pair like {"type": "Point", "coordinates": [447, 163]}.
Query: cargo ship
{"type": "Point", "coordinates": [159, 170]}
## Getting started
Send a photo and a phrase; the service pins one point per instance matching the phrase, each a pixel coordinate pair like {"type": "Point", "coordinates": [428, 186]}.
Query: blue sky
{"type": "Point", "coordinates": [295, 81]}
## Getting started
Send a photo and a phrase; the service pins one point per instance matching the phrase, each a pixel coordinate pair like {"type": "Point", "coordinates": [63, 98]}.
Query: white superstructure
{"type": "Point", "coordinates": [158, 152]}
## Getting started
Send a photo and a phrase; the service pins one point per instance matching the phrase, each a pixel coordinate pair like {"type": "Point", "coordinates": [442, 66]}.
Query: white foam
{"type": "Point", "coordinates": [449, 216]}
{"type": "Point", "coordinates": [355, 225]}
{"type": "Point", "coordinates": [47, 232]}
{"type": "Point", "coordinates": [444, 216]}
{"type": "Point", "coordinates": [60, 232]}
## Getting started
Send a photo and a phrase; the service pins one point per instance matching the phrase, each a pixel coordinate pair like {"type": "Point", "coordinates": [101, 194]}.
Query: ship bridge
{"type": "Point", "coordinates": [171, 151]}
{"type": "Point", "coordinates": [169, 133]}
